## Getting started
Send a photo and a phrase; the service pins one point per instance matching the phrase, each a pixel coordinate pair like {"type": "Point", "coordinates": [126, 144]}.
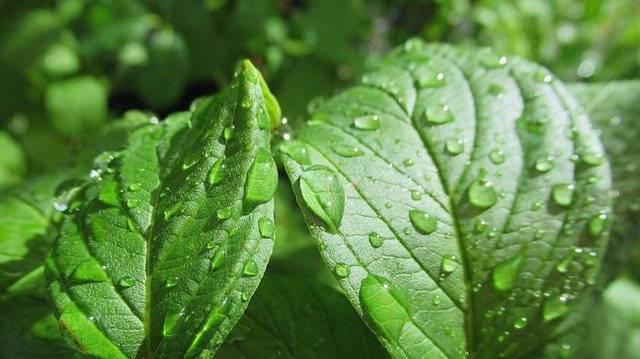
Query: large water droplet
{"type": "Point", "coordinates": [297, 151]}
{"type": "Point", "coordinates": [423, 222]}
{"type": "Point", "coordinates": [554, 308]}
{"type": "Point", "coordinates": [562, 194]}
{"type": "Point", "coordinates": [375, 239]}
{"type": "Point", "coordinates": [266, 227]}
{"type": "Point", "coordinates": [369, 122]}
{"type": "Point", "coordinates": [217, 259]}
{"type": "Point", "coordinates": [224, 213]}
{"type": "Point", "coordinates": [250, 268]}
{"type": "Point", "coordinates": [262, 179]}
{"type": "Point", "coordinates": [88, 271]}
{"type": "Point", "coordinates": [437, 114]}
{"type": "Point", "coordinates": [482, 195]}
{"type": "Point", "coordinates": [323, 195]}
{"type": "Point", "coordinates": [448, 264]}
{"type": "Point", "coordinates": [342, 270]}
{"type": "Point", "coordinates": [505, 274]}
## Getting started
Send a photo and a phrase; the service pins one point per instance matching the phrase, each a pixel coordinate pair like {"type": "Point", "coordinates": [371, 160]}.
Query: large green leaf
{"type": "Point", "coordinates": [299, 319]}
{"type": "Point", "coordinates": [157, 254]}
{"type": "Point", "coordinates": [615, 110]}
{"type": "Point", "coordinates": [475, 199]}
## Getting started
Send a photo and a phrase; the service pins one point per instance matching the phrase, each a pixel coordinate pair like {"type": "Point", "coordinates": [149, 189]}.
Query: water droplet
{"type": "Point", "coordinates": [597, 224]}
{"type": "Point", "coordinates": [216, 174]}
{"type": "Point", "coordinates": [408, 162]}
{"type": "Point", "coordinates": [296, 150]}
{"type": "Point", "coordinates": [448, 264]}
{"type": "Point", "coordinates": [132, 202]}
{"type": "Point", "coordinates": [520, 323]}
{"type": "Point", "coordinates": [536, 205]}
{"type": "Point", "coordinates": [228, 132]}
{"type": "Point", "coordinates": [496, 156]}
{"type": "Point", "coordinates": [505, 274]}
{"type": "Point", "coordinates": [481, 226]}
{"type": "Point", "coordinates": [545, 164]}
{"type": "Point", "coordinates": [543, 76]}
{"type": "Point", "coordinates": [563, 265]}
{"type": "Point", "coordinates": [482, 195]}
{"type": "Point", "coordinates": [432, 79]}
{"type": "Point", "coordinates": [217, 259]}
{"type": "Point", "coordinates": [262, 179]}
{"type": "Point", "coordinates": [492, 61]}
{"type": "Point", "coordinates": [170, 323]}
{"type": "Point", "coordinates": [171, 282]}
{"type": "Point", "coordinates": [224, 213]}
{"type": "Point", "coordinates": [562, 194]}
{"type": "Point", "coordinates": [495, 89]}
{"type": "Point", "coordinates": [189, 162]}
{"type": "Point", "coordinates": [88, 271]}
{"type": "Point", "coordinates": [323, 195]}
{"type": "Point", "coordinates": [369, 122]}
{"type": "Point", "coordinates": [250, 268]}
{"type": "Point", "coordinates": [592, 159]}
{"type": "Point", "coordinates": [437, 114]}
{"type": "Point", "coordinates": [245, 296]}
{"type": "Point", "coordinates": [348, 151]}
{"type": "Point", "coordinates": [60, 206]}
{"type": "Point", "coordinates": [342, 270]}
{"type": "Point", "coordinates": [454, 146]}
{"type": "Point", "coordinates": [424, 223]}
{"type": "Point", "coordinates": [436, 300]}
{"type": "Point", "coordinates": [554, 308]}
{"type": "Point", "coordinates": [216, 316]}
{"type": "Point", "coordinates": [135, 186]}
{"type": "Point", "coordinates": [375, 240]}
{"type": "Point", "coordinates": [171, 211]}
{"type": "Point", "coordinates": [416, 195]}
{"type": "Point", "coordinates": [127, 282]}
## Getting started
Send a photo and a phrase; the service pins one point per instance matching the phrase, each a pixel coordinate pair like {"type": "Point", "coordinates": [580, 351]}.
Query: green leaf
{"type": "Point", "coordinates": [467, 243]}
{"type": "Point", "coordinates": [12, 161]}
{"type": "Point", "coordinates": [615, 110]}
{"type": "Point", "coordinates": [154, 260]}
{"type": "Point", "coordinates": [77, 105]}
{"type": "Point", "coordinates": [299, 319]}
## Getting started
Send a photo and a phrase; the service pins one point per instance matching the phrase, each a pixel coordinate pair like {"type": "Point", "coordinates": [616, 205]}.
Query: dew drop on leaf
{"type": "Point", "coordinates": [348, 151]}
{"type": "Point", "coordinates": [424, 223]}
{"type": "Point", "coordinates": [297, 151]}
{"type": "Point", "coordinates": [492, 61]}
{"type": "Point", "coordinates": [171, 211]}
{"type": "Point", "coordinates": [88, 271]}
{"type": "Point", "coordinates": [437, 114]}
{"type": "Point", "coordinates": [454, 147]}
{"type": "Point", "coordinates": [505, 274]}
{"type": "Point", "coordinates": [250, 268]}
{"type": "Point", "coordinates": [554, 308]}
{"type": "Point", "coordinates": [375, 240]}
{"type": "Point", "coordinates": [170, 323]}
{"type": "Point", "coordinates": [127, 282]}
{"type": "Point", "coordinates": [448, 264]}
{"type": "Point", "coordinates": [266, 227]}
{"type": "Point", "coordinates": [481, 226]}
{"type": "Point", "coordinates": [224, 213]}
{"type": "Point", "coordinates": [217, 259]}
{"type": "Point", "coordinates": [416, 195]}
{"type": "Point", "coordinates": [597, 224]}
{"type": "Point", "coordinates": [408, 162]}
{"type": "Point", "coordinates": [482, 195]}
{"type": "Point", "coordinates": [563, 265]}
{"type": "Point", "coordinates": [189, 162]}
{"type": "Point", "coordinates": [369, 122]}
{"type": "Point", "coordinates": [132, 202]}
{"type": "Point", "coordinates": [228, 132]}
{"type": "Point", "coordinates": [545, 164]}
{"type": "Point", "coordinates": [562, 194]}
{"type": "Point", "coordinates": [262, 179]}
{"type": "Point", "coordinates": [592, 159]}
{"type": "Point", "coordinates": [323, 195]}
{"type": "Point", "coordinates": [135, 186]}
{"type": "Point", "coordinates": [216, 316]}
{"type": "Point", "coordinates": [342, 270]}
{"type": "Point", "coordinates": [171, 282]}
{"type": "Point", "coordinates": [430, 78]}
{"type": "Point", "coordinates": [496, 156]}
{"type": "Point", "coordinates": [495, 89]}
{"type": "Point", "coordinates": [216, 173]}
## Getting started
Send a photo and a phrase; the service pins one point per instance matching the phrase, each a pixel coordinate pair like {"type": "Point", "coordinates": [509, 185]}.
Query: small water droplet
{"type": "Point", "coordinates": [217, 259]}
{"type": "Point", "coordinates": [424, 223]}
{"type": "Point", "coordinates": [189, 162]}
{"type": "Point", "coordinates": [224, 213]}
{"type": "Point", "coordinates": [437, 114]}
{"type": "Point", "coordinates": [127, 282]}
{"type": "Point", "coordinates": [369, 122]}
{"type": "Point", "coordinates": [228, 132]}
{"type": "Point", "coordinates": [592, 159]}
{"type": "Point", "coordinates": [342, 270]}
{"type": "Point", "coordinates": [554, 308]}
{"type": "Point", "coordinates": [436, 300]}
{"type": "Point", "coordinates": [60, 206]}
{"type": "Point", "coordinates": [545, 164]}
{"type": "Point", "coordinates": [375, 240]}
{"type": "Point", "coordinates": [563, 265]}
{"type": "Point", "coordinates": [171, 282]}
{"type": "Point", "coordinates": [132, 202]}
{"type": "Point", "coordinates": [495, 89]}
{"type": "Point", "coordinates": [536, 205]}
{"type": "Point", "coordinates": [496, 156]}
{"type": "Point", "coordinates": [482, 195]}
{"type": "Point", "coordinates": [432, 79]}
{"type": "Point", "coordinates": [520, 323]}
{"type": "Point", "coordinates": [348, 151]}
{"type": "Point", "coordinates": [171, 211]}
{"type": "Point", "coordinates": [266, 227]}
{"type": "Point", "coordinates": [562, 194]}
{"type": "Point", "coordinates": [216, 174]}
{"type": "Point", "coordinates": [135, 186]}
{"type": "Point", "coordinates": [481, 226]}
{"type": "Point", "coordinates": [250, 268]}
{"type": "Point", "coordinates": [454, 146]}
{"type": "Point", "coordinates": [170, 323]}
{"type": "Point", "coordinates": [448, 264]}
{"type": "Point", "coordinates": [597, 224]}
{"type": "Point", "coordinates": [505, 274]}
{"type": "Point", "coordinates": [492, 61]}
{"type": "Point", "coordinates": [416, 195]}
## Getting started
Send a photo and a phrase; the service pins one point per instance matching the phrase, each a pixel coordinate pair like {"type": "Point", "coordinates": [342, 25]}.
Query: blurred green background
{"type": "Point", "coordinates": [68, 66]}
